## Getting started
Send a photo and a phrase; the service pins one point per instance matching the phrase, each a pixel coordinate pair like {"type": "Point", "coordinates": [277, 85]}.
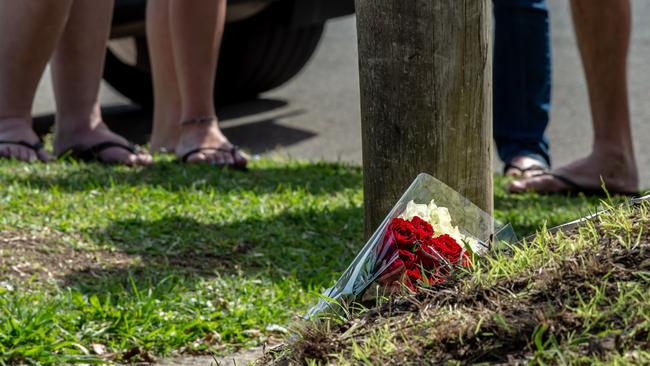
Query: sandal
{"type": "Point", "coordinates": [92, 154]}
{"type": "Point", "coordinates": [539, 169]}
{"type": "Point", "coordinates": [36, 147]}
{"type": "Point", "coordinates": [522, 171]}
{"type": "Point", "coordinates": [575, 188]}
{"type": "Point", "coordinates": [233, 150]}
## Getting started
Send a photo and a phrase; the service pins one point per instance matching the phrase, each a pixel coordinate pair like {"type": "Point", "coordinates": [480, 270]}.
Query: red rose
{"type": "Point", "coordinates": [414, 274]}
{"type": "Point", "coordinates": [427, 255]}
{"type": "Point", "coordinates": [447, 247]}
{"type": "Point", "coordinates": [413, 277]}
{"type": "Point", "coordinates": [397, 265]}
{"type": "Point", "coordinates": [423, 229]}
{"type": "Point", "coordinates": [409, 258]}
{"type": "Point", "coordinates": [404, 233]}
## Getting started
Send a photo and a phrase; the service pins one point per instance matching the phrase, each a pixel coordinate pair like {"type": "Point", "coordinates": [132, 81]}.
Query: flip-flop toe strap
{"type": "Point", "coordinates": [570, 183]}
{"type": "Point", "coordinates": [93, 153]}
{"type": "Point", "coordinates": [524, 170]}
{"type": "Point", "coordinates": [97, 149]}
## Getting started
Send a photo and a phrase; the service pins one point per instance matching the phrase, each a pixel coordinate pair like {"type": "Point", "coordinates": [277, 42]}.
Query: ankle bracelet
{"type": "Point", "coordinates": [196, 120]}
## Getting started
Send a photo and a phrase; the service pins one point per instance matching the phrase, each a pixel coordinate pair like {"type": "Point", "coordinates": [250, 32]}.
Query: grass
{"type": "Point", "coordinates": [109, 264]}
{"type": "Point", "coordinates": [572, 298]}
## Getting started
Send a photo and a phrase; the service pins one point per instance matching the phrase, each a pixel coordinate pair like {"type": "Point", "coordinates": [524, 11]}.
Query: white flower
{"type": "Point", "coordinates": [414, 209]}
{"type": "Point", "coordinates": [440, 220]}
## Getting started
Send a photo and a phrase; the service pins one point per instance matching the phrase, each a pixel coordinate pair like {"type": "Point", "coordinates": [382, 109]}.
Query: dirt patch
{"type": "Point", "coordinates": [46, 256]}
{"type": "Point", "coordinates": [513, 321]}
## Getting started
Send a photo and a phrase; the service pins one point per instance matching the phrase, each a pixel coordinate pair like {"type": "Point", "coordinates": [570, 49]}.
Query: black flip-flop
{"type": "Point", "coordinates": [36, 147]}
{"type": "Point", "coordinates": [92, 154]}
{"type": "Point", "coordinates": [233, 150]}
{"type": "Point", "coordinates": [575, 188]}
{"type": "Point", "coordinates": [522, 171]}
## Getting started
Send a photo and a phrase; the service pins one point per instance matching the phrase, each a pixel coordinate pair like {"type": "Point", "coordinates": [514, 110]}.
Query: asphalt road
{"type": "Point", "coordinates": [316, 115]}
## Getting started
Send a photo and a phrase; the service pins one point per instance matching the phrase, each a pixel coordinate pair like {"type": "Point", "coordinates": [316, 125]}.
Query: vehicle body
{"type": "Point", "coordinates": [266, 43]}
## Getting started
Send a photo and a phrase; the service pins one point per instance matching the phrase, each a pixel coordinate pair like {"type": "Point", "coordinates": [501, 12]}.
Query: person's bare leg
{"type": "Point", "coordinates": [167, 98]}
{"type": "Point", "coordinates": [29, 30]}
{"type": "Point", "coordinates": [197, 28]}
{"type": "Point", "coordinates": [77, 67]}
{"type": "Point", "coordinates": [603, 33]}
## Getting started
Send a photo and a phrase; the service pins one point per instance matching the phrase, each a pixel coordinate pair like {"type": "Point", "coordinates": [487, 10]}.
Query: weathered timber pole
{"type": "Point", "coordinates": [426, 98]}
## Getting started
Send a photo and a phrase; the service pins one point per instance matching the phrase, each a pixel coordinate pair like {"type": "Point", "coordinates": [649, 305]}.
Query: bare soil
{"type": "Point", "coordinates": [49, 256]}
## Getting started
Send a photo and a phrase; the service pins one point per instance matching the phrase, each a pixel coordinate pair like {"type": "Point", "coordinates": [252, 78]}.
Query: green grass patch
{"type": "Point", "coordinates": [176, 258]}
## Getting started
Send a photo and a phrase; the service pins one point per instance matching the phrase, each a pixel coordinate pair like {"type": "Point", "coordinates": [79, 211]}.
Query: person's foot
{"type": "Point", "coordinates": [79, 140]}
{"type": "Point", "coordinates": [524, 166]}
{"type": "Point", "coordinates": [617, 172]}
{"type": "Point", "coordinates": [215, 147]}
{"type": "Point", "coordinates": [21, 142]}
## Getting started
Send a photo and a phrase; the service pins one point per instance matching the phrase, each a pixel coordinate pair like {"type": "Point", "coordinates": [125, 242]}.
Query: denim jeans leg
{"type": "Point", "coordinates": [522, 78]}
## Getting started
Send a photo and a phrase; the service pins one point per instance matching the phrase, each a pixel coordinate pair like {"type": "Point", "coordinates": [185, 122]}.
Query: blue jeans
{"type": "Point", "coordinates": [522, 79]}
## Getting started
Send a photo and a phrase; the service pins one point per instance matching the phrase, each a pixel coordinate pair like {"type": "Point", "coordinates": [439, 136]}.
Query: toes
{"type": "Point", "coordinates": [145, 159]}
{"type": "Point", "coordinates": [31, 157]}
{"type": "Point", "coordinates": [218, 158]}
{"type": "Point", "coordinates": [18, 153]}
{"type": "Point", "coordinates": [222, 159]}
{"type": "Point", "coordinates": [199, 157]}
{"type": "Point", "coordinates": [26, 155]}
{"type": "Point", "coordinates": [517, 186]}
{"type": "Point", "coordinates": [116, 155]}
{"type": "Point", "coordinates": [538, 184]}
{"type": "Point", "coordinates": [131, 160]}
{"type": "Point", "coordinates": [513, 172]}
{"type": "Point", "coordinates": [209, 157]}
{"type": "Point", "coordinates": [4, 152]}
{"type": "Point", "coordinates": [228, 159]}
{"type": "Point", "coordinates": [140, 158]}
{"type": "Point", "coordinates": [240, 159]}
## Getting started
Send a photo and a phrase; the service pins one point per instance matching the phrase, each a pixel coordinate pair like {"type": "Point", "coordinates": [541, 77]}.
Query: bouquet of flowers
{"type": "Point", "coordinates": [430, 232]}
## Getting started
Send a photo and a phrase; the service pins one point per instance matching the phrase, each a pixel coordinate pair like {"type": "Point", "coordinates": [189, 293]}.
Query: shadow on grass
{"type": "Point", "coordinates": [313, 178]}
{"type": "Point", "coordinates": [312, 245]}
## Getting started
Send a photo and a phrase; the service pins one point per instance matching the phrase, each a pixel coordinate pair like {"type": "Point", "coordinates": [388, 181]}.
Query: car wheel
{"type": "Point", "coordinates": [257, 54]}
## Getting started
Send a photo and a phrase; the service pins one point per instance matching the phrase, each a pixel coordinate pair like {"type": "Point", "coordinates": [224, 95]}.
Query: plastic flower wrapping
{"type": "Point", "coordinates": [431, 232]}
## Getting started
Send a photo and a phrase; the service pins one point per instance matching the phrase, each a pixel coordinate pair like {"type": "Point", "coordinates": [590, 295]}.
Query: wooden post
{"type": "Point", "coordinates": [426, 98]}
